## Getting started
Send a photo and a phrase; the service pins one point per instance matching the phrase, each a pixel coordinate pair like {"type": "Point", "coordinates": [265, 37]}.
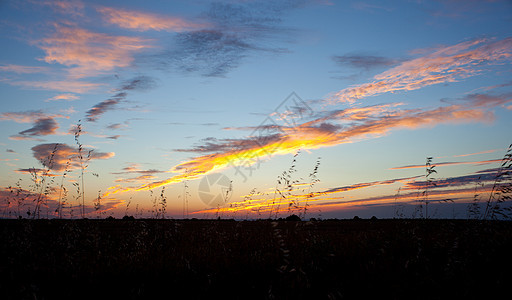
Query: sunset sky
{"type": "Point", "coordinates": [213, 101]}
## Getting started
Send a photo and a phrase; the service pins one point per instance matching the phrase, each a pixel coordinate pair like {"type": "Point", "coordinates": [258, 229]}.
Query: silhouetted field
{"type": "Point", "coordinates": [329, 259]}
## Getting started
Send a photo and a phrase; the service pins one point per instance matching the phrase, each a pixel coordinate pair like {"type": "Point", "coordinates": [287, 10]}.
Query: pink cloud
{"type": "Point", "coordinates": [89, 53]}
{"type": "Point", "coordinates": [447, 64]}
{"type": "Point", "coordinates": [67, 97]}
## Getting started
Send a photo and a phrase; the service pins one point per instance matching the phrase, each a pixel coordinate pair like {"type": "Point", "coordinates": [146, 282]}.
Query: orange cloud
{"type": "Point", "coordinates": [315, 134]}
{"type": "Point", "coordinates": [67, 97]}
{"type": "Point", "coordinates": [348, 125]}
{"type": "Point", "coordinates": [465, 195]}
{"type": "Point", "coordinates": [476, 153]}
{"type": "Point", "coordinates": [142, 21]}
{"type": "Point", "coordinates": [90, 53]}
{"type": "Point", "coordinates": [447, 64]}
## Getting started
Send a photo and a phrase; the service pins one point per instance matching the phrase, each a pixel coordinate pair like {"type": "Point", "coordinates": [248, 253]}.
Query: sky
{"type": "Point", "coordinates": [253, 109]}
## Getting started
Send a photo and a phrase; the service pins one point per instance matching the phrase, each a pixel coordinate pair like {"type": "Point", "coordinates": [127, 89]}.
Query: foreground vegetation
{"type": "Point", "coordinates": [329, 259]}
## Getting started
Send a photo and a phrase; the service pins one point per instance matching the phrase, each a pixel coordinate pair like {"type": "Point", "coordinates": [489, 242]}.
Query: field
{"type": "Point", "coordinates": [228, 259]}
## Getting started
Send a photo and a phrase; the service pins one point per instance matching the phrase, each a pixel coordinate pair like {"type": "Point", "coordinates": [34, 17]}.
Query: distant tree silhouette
{"type": "Point", "coordinates": [293, 217]}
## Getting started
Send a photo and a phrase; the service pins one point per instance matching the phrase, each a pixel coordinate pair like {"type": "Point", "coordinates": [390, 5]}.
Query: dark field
{"type": "Point", "coordinates": [338, 259]}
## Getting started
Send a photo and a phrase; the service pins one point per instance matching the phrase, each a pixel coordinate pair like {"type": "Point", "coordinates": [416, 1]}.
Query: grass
{"type": "Point", "coordinates": [265, 259]}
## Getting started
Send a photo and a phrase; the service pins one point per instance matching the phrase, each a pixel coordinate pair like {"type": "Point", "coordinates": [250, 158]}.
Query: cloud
{"type": "Point", "coordinates": [365, 62]}
{"type": "Point", "coordinates": [236, 31]}
{"type": "Point", "coordinates": [72, 86]}
{"type": "Point", "coordinates": [62, 154]}
{"type": "Point", "coordinates": [116, 126]}
{"type": "Point", "coordinates": [142, 21]}
{"type": "Point", "coordinates": [476, 153]}
{"type": "Point", "coordinates": [22, 69]}
{"type": "Point", "coordinates": [138, 83]}
{"type": "Point", "coordinates": [89, 53]}
{"type": "Point", "coordinates": [139, 179]}
{"type": "Point", "coordinates": [367, 184]}
{"type": "Point", "coordinates": [211, 53]}
{"type": "Point", "coordinates": [97, 110]}
{"type": "Point", "coordinates": [34, 171]}
{"type": "Point", "coordinates": [452, 163]}
{"type": "Point", "coordinates": [451, 182]}
{"type": "Point", "coordinates": [24, 116]}
{"type": "Point", "coordinates": [73, 8]}
{"type": "Point", "coordinates": [370, 122]}
{"type": "Point", "coordinates": [10, 151]}
{"type": "Point", "coordinates": [144, 175]}
{"type": "Point", "coordinates": [44, 126]}
{"type": "Point", "coordinates": [460, 8]}
{"type": "Point", "coordinates": [446, 64]}
{"type": "Point", "coordinates": [67, 97]}
{"type": "Point", "coordinates": [134, 169]}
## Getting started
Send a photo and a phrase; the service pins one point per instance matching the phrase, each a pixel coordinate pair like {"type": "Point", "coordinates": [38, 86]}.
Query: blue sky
{"type": "Point", "coordinates": [172, 94]}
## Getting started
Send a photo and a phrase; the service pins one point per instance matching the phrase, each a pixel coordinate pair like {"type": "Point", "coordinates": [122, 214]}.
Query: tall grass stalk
{"type": "Point", "coordinates": [82, 162]}
{"type": "Point", "coordinates": [429, 169]}
{"type": "Point", "coordinates": [313, 179]}
{"type": "Point", "coordinates": [501, 189]}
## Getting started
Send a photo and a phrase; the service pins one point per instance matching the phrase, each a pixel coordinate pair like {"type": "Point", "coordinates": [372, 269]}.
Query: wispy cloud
{"type": "Point", "coordinates": [360, 5]}
{"type": "Point", "coordinates": [137, 83]}
{"type": "Point", "coordinates": [26, 116]}
{"type": "Point", "coordinates": [477, 153]}
{"type": "Point", "coordinates": [72, 86]}
{"type": "Point", "coordinates": [143, 21]}
{"type": "Point", "coordinates": [446, 64]}
{"type": "Point", "coordinates": [43, 124]}
{"type": "Point", "coordinates": [90, 53]}
{"type": "Point", "coordinates": [452, 182]}
{"type": "Point", "coordinates": [144, 176]}
{"type": "Point", "coordinates": [74, 8]}
{"type": "Point", "coordinates": [236, 31]}
{"type": "Point", "coordinates": [365, 62]}
{"type": "Point", "coordinates": [368, 184]}
{"type": "Point", "coordinates": [450, 163]}
{"type": "Point", "coordinates": [22, 69]}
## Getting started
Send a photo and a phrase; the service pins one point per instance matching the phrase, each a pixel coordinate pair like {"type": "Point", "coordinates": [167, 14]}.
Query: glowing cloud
{"type": "Point", "coordinates": [317, 134]}
{"type": "Point", "coordinates": [447, 64]}
{"type": "Point", "coordinates": [89, 53]}
{"type": "Point", "coordinates": [67, 97]}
